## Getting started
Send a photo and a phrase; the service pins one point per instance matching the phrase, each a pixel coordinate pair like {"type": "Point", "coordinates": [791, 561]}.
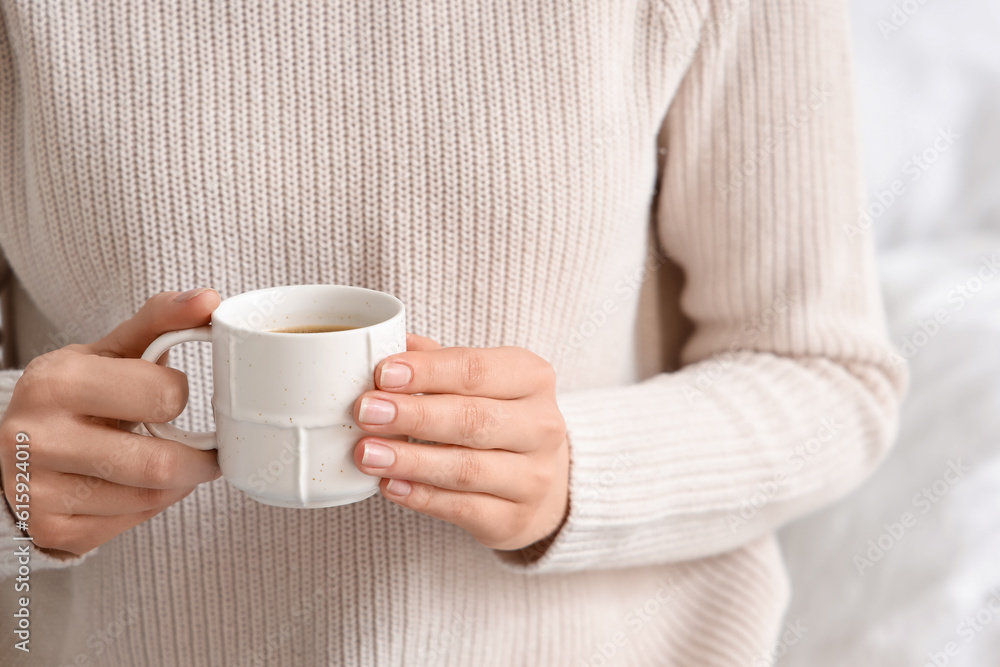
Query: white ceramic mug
{"type": "Point", "coordinates": [283, 401]}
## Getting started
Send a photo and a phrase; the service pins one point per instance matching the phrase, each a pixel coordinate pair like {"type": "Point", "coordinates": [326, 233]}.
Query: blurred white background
{"type": "Point", "coordinates": [869, 590]}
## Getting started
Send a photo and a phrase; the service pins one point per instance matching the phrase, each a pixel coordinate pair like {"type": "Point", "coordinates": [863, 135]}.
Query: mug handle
{"type": "Point", "coordinates": [205, 440]}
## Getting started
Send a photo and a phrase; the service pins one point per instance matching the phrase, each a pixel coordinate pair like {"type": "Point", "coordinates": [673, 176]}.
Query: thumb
{"type": "Point", "coordinates": [166, 311]}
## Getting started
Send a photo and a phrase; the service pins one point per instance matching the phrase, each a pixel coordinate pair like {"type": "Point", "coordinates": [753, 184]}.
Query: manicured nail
{"type": "Point", "coordinates": [191, 293]}
{"type": "Point", "coordinates": [377, 412]}
{"type": "Point", "coordinates": [394, 376]}
{"type": "Point", "coordinates": [399, 487]}
{"type": "Point", "coordinates": [378, 456]}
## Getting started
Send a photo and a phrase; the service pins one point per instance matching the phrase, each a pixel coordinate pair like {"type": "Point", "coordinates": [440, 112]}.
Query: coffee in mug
{"type": "Point", "coordinates": [314, 328]}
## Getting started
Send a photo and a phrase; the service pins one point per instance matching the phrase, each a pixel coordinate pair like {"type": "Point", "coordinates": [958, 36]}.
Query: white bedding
{"type": "Point", "coordinates": [929, 594]}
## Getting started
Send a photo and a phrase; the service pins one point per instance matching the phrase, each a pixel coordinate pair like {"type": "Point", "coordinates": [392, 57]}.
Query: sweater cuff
{"type": "Point", "coordinates": [582, 540]}
{"type": "Point", "coordinates": [18, 556]}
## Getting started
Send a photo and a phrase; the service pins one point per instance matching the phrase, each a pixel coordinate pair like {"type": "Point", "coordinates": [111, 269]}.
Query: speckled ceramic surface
{"type": "Point", "coordinates": [283, 401]}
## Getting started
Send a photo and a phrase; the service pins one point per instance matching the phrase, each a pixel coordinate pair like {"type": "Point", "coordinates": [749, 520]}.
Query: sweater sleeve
{"type": "Point", "coordinates": [788, 391]}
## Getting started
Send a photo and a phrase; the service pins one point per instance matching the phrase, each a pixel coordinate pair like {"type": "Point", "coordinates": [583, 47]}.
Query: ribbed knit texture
{"type": "Point", "coordinates": [514, 172]}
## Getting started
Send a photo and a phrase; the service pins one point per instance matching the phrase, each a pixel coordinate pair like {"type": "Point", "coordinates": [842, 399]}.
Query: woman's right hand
{"type": "Point", "coordinates": [90, 479]}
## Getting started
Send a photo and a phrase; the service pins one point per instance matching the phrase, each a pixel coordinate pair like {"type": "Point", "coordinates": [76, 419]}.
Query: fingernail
{"type": "Point", "coordinates": [190, 294]}
{"type": "Point", "coordinates": [377, 412]}
{"type": "Point", "coordinates": [399, 487]}
{"type": "Point", "coordinates": [394, 376]}
{"type": "Point", "coordinates": [378, 456]}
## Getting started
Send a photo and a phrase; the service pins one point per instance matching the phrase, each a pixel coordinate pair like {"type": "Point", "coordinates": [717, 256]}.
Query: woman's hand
{"type": "Point", "coordinates": [87, 480]}
{"type": "Point", "coordinates": [501, 471]}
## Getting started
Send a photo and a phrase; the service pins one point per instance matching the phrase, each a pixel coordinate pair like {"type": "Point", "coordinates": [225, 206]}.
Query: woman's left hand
{"type": "Point", "coordinates": [501, 470]}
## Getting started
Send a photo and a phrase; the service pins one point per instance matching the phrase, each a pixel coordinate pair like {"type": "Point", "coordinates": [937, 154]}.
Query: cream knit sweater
{"type": "Point", "coordinates": [542, 174]}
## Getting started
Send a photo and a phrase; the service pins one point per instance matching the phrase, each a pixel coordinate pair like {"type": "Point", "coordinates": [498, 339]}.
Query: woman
{"type": "Point", "coordinates": [619, 231]}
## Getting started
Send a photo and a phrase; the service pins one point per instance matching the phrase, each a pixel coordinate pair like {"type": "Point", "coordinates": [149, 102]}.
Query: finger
{"type": "Point", "coordinates": [482, 423]}
{"type": "Point", "coordinates": [499, 372]}
{"type": "Point", "coordinates": [78, 534]}
{"type": "Point", "coordinates": [80, 494]}
{"type": "Point", "coordinates": [166, 311]}
{"type": "Point", "coordinates": [486, 517]}
{"type": "Point", "coordinates": [129, 459]}
{"type": "Point", "coordinates": [116, 388]}
{"type": "Point", "coordinates": [415, 342]}
{"type": "Point", "coordinates": [499, 473]}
